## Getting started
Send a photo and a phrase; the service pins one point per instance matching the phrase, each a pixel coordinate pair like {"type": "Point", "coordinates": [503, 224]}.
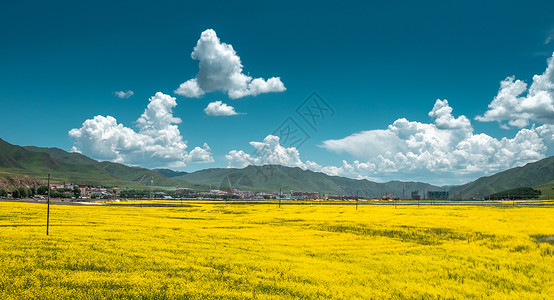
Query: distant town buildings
{"type": "Point", "coordinates": [388, 197]}
{"type": "Point", "coordinates": [304, 196]}
{"type": "Point", "coordinates": [437, 195]}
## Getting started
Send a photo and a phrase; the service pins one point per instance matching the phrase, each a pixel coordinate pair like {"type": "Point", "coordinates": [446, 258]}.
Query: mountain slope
{"type": "Point", "coordinates": [531, 175]}
{"type": "Point", "coordinates": [37, 162]}
{"type": "Point", "coordinates": [18, 161]}
{"type": "Point", "coordinates": [274, 177]}
{"type": "Point", "coordinates": [169, 173]}
{"type": "Point", "coordinates": [138, 175]}
{"type": "Point", "coordinates": [64, 156]}
{"type": "Point", "coordinates": [12, 156]}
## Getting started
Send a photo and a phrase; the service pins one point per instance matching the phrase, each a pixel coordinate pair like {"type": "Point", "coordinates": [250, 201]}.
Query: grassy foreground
{"type": "Point", "coordinates": [261, 251]}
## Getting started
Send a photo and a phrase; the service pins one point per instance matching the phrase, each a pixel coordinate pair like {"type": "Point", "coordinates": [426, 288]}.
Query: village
{"type": "Point", "coordinates": [87, 192]}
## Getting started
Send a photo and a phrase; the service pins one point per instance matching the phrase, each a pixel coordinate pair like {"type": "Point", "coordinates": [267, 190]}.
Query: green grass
{"type": "Point", "coordinates": [547, 191]}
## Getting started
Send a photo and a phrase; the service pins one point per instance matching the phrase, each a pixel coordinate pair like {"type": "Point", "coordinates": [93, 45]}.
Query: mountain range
{"type": "Point", "coordinates": [36, 162]}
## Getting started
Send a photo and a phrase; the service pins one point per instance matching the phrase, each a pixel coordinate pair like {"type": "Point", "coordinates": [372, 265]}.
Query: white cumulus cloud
{"type": "Point", "coordinates": [445, 151]}
{"type": "Point", "coordinates": [271, 152]}
{"type": "Point", "coordinates": [220, 69]}
{"type": "Point", "coordinates": [200, 155]}
{"type": "Point", "coordinates": [124, 95]}
{"type": "Point", "coordinates": [446, 146]}
{"type": "Point", "coordinates": [520, 105]}
{"type": "Point", "coordinates": [268, 152]}
{"type": "Point", "coordinates": [158, 141]}
{"type": "Point", "coordinates": [218, 108]}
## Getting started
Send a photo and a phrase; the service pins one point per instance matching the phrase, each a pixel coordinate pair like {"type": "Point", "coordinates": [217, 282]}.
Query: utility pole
{"type": "Point", "coordinates": [151, 183]}
{"type": "Point", "coordinates": [356, 200]}
{"type": "Point", "coordinates": [280, 196]}
{"type": "Point", "coordinates": [48, 209]}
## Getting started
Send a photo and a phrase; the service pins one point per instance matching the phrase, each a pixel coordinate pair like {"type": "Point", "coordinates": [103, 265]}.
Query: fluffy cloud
{"type": "Point", "coordinates": [267, 152]}
{"type": "Point", "coordinates": [124, 95]}
{"type": "Point", "coordinates": [200, 155]}
{"type": "Point", "coordinates": [218, 108]}
{"type": "Point", "coordinates": [220, 69]}
{"type": "Point", "coordinates": [446, 146]}
{"type": "Point", "coordinates": [445, 151]}
{"type": "Point", "coordinates": [158, 141]}
{"type": "Point", "coordinates": [520, 105]}
{"type": "Point", "coordinates": [271, 152]}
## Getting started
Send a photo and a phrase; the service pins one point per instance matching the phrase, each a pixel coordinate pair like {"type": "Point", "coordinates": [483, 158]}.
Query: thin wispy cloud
{"type": "Point", "coordinates": [124, 95]}
{"type": "Point", "coordinates": [549, 36]}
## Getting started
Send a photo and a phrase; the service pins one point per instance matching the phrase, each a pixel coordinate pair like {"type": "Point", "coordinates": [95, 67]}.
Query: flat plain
{"type": "Point", "coordinates": [235, 251]}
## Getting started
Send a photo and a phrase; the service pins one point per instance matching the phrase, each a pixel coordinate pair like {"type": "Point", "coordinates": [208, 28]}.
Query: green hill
{"type": "Point", "coordinates": [64, 156]}
{"type": "Point", "coordinates": [531, 175]}
{"type": "Point", "coordinates": [16, 161]}
{"type": "Point", "coordinates": [273, 177]}
{"type": "Point", "coordinates": [547, 191]}
{"type": "Point", "coordinates": [169, 173]}
{"type": "Point", "coordinates": [138, 175]}
{"type": "Point", "coordinates": [37, 162]}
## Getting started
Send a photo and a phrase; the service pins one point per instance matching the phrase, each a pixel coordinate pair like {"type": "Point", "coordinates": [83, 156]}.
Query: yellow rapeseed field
{"type": "Point", "coordinates": [260, 251]}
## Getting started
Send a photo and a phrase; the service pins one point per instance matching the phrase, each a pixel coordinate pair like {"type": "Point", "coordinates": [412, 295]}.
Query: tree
{"type": "Point", "coordinates": [3, 193]}
{"type": "Point", "coordinates": [23, 193]}
{"type": "Point", "coordinates": [76, 192]}
{"type": "Point", "coordinates": [517, 193]}
{"type": "Point", "coordinates": [15, 193]}
{"type": "Point", "coordinates": [42, 190]}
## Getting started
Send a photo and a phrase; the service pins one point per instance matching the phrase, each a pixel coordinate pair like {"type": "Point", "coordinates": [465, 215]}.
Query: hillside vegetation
{"type": "Point", "coordinates": [37, 162]}
{"type": "Point", "coordinates": [531, 175]}
{"type": "Point", "coordinates": [274, 177]}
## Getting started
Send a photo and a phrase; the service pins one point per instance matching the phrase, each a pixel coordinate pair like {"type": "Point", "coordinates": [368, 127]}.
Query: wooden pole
{"type": "Point", "coordinates": [280, 197]}
{"type": "Point", "coordinates": [48, 208]}
{"type": "Point", "coordinates": [356, 200]}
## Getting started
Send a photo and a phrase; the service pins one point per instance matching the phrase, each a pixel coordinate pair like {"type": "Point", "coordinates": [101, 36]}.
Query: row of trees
{"type": "Point", "coordinates": [23, 192]}
{"type": "Point", "coordinates": [18, 192]}
{"type": "Point", "coordinates": [145, 193]}
{"type": "Point", "coordinates": [517, 194]}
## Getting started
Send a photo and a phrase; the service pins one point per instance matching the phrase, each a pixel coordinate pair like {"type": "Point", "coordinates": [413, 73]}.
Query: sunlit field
{"type": "Point", "coordinates": [263, 251]}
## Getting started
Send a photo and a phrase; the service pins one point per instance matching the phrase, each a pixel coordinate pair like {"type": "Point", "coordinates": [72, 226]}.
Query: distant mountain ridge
{"type": "Point", "coordinates": [170, 173]}
{"type": "Point", "coordinates": [275, 177]}
{"type": "Point", "coordinates": [36, 162]}
{"type": "Point", "coordinates": [531, 175]}
{"type": "Point", "coordinates": [138, 175]}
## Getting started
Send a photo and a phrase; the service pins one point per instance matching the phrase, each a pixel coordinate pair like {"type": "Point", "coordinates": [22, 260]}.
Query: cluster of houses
{"type": "Point", "coordinates": [248, 194]}
{"type": "Point", "coordinates": [86, 191]}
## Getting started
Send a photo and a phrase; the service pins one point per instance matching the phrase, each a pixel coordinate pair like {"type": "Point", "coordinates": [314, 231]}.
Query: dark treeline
{"type": "Point", "coordinates": [516, 194]}
{"type": "Point", "coordinates": [145, 194]}
{"type": "Point", "coordinates": [23, 192]}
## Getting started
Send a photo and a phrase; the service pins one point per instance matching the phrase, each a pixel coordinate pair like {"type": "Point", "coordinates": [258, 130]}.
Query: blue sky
{"type": "Point", "coordinates": [372, 63]}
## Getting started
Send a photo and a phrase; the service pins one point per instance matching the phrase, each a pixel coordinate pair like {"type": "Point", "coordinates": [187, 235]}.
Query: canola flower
{"type": "Point", "coordinates": [214, 251]}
